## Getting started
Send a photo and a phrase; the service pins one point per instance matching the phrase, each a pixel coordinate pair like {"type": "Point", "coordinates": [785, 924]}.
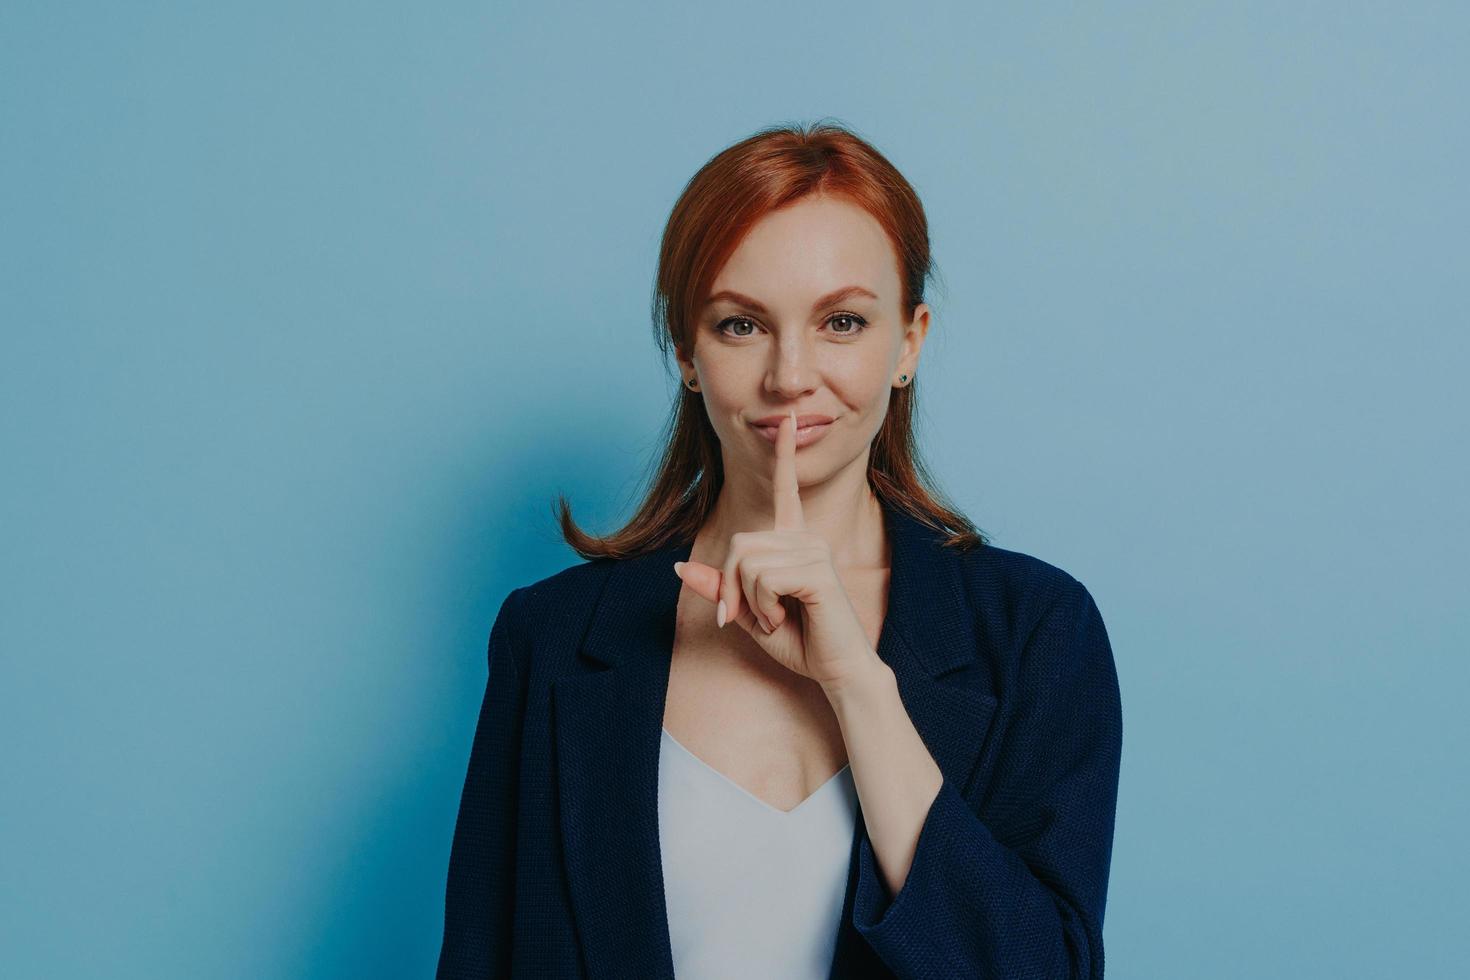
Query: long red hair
{"type": "Point", "coordinates": [735, 189]}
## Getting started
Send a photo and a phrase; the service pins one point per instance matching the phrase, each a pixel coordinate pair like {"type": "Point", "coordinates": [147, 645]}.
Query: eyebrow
{"type": "Point", "coordinates": [828, 300]}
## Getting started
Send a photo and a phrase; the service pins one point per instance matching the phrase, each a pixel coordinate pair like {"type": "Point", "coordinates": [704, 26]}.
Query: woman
{"type": "Point", "coordinates": [797, 719]}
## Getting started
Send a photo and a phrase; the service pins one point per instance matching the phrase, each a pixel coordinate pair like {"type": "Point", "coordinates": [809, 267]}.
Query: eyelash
{"type": "Point", "coordinates": [862, 324]}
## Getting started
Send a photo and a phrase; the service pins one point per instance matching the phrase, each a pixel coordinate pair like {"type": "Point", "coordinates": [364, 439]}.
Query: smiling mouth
{"type": "Point", "coordinates": [799, 430]}
{"type": "Point", "coordinates": [805, 435]}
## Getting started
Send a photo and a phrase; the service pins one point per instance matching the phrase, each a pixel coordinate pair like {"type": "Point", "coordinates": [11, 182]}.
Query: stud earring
{"type": "Point", "coordinates": [691, 383]}
{"type": "Point", "coordinates": [902, 378]}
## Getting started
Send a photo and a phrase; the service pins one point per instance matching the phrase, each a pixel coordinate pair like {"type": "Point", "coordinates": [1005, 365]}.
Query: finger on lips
{"type": "Point", "coordinates": [736, 596]}
{"type": "Point", "coordinates": [787, 494]}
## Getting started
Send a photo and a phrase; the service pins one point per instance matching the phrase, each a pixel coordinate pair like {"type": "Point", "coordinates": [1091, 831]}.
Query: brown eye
{"type": "Point", "coordinates": [858, 324]}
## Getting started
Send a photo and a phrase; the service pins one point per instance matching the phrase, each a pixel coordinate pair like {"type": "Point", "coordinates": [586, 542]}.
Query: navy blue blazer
{"type": "Point", "coordinates": [1002, 662]}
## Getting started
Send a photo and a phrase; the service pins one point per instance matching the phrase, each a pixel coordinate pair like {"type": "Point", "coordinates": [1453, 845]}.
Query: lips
{"type": "Point", "coordinates": [802, 421]}
{"type": "Point", "coordinates": [806, 433]}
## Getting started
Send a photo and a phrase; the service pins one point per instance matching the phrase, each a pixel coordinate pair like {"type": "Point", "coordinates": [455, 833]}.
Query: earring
{"type": "Point", "coordinates": [902, 378]}
{"type": "Point", "coordinates": [691, 383]}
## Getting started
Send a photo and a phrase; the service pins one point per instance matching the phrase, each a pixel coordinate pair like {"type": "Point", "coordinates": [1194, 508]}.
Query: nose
{"type": "Point", "coordinates": [793, 372]}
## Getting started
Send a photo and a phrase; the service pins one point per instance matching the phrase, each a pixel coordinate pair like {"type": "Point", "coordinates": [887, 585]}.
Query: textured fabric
{"type": "Point", "coordinates": [1003, 665]}
{"type": "Point", "coordinates": [753, 891]}
{"type": "Point", "coordinates": [1020, 892]}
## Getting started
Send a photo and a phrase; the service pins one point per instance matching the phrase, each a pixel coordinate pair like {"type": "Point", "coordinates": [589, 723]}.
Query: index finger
{"type": "Point", "coordinates": [783, 483]}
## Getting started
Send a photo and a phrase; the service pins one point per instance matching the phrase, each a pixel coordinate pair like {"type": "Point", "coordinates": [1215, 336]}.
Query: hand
{"type": "Point", "coordinates": [781, 587]}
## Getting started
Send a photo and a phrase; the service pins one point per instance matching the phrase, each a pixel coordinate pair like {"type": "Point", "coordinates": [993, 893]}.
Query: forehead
{"type": "Point", "coordinates": [810, 247]}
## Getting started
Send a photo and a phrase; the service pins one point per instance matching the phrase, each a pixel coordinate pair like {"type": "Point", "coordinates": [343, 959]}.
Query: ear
{"type": "Point", "coordinates": [913, 340]}
{"type": "Point", "coordinates": [684, 362]}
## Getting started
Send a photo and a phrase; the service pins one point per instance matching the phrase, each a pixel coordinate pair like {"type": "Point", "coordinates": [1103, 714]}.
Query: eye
{"type": "Point", "coordinates": [734, 319]}
{"type": "Point", "coordinates": [857, 324]}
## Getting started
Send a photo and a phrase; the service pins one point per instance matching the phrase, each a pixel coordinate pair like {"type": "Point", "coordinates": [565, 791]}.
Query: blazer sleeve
{"type": "Point", "coordinates": [1016, 885]}
{"type": "Point", "coordinates": [478, 898]}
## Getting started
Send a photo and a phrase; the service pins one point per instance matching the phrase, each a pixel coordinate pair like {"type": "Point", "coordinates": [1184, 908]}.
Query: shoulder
{"type": "Point", "coordinates": [553, 611]}
{"type": "Point", "coordinates": [548, 599]}
{"type": "Point", "coordinates": [576, 586]}
{"type": "Point", "coordinates": [1001, 578]}
{"type": "Point", "coordinates": [1018, 598]}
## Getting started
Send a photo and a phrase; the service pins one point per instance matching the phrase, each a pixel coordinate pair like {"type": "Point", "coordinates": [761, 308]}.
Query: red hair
{"type": "Point", "coordinates": [721, 203]}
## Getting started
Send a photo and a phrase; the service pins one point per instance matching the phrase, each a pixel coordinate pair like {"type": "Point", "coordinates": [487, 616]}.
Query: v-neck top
{"type": "Point", "coordinates": [751, 890]}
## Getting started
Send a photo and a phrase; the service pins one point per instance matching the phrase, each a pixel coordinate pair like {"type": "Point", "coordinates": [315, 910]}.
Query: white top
{"type": "Point", "coordinates": [751, 891]}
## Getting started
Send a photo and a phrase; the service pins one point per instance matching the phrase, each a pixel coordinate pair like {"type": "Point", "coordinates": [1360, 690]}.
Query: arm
{"type": "Point", "coordinates": [896, 777]}
{"type": "Point", "coordinates": [478, 895]}
{"type": "Point", "coordinates": [1015, 885]}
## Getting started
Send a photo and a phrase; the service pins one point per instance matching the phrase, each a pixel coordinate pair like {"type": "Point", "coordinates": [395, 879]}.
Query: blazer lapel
{"type": "Point", "coordinates": [607, 724]}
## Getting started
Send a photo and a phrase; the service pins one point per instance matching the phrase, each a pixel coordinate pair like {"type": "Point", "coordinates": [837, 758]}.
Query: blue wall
{"type": "Point", "coordinates": [309, 310]}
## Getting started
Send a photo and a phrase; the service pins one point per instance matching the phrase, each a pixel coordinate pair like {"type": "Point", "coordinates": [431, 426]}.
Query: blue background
{"type": "Point", "coordinates": [309, 310]}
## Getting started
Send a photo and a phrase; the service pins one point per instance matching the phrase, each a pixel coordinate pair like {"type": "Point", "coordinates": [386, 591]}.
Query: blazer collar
{"type": "Point", "coordinates": [607, 724]}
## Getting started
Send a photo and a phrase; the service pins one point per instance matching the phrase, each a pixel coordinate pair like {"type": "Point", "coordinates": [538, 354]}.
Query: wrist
{"type": "Point", "coordinates": [861, 689]}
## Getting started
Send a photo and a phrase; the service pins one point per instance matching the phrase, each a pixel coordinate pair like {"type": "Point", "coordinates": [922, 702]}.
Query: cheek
{"type": "Point", "coordinates": [734, 381]}
{"type": "Point", "coordinates": [726, 397]}
{"type": "Point", "coordinates": [865, 387]}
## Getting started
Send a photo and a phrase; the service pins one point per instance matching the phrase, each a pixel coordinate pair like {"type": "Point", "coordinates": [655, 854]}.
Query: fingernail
{"type": "Point", "coordinates": [720, 614]}
{"type": "Point", "coordinates": [677, 566]}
